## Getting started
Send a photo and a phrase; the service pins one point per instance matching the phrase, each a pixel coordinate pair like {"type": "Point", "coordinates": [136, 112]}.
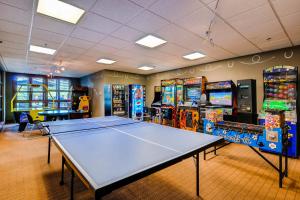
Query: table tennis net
{"type": "Point", "coordinates": [86, 125]}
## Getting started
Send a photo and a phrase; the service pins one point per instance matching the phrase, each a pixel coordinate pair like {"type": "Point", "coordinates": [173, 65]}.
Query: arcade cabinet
{"type": "Point", "coordinates": [136, 101]}
{"type": "Point", "coordinates": [156, 106]}
{"type": "Point", "coordinates": [222, 94]}
{"type": "Point", "coordinates": [280, 93]}
{"type": "Point", "coordinates": [189, 111]}
{"type": "Point", "coordinates": [172, 95]}
{"type": "Point", "coordinates": [246, 101]}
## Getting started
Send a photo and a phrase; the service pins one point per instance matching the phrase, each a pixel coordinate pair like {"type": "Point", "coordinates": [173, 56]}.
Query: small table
{"type": "Point", "coordinates": [53, 115]}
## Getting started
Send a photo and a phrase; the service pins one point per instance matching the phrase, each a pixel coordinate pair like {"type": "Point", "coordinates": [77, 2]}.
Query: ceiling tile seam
{"type": "Point", "coordinates": [30, 31]}
{"type": "Point", "coordinates": [13, 22]}
{"type": "Point", "coordinates": [232, 27]}
{"type": "Point", "coordinates": [280, 22]}
{"type": "Point", "coordinates": [196, 35]}
{"type": "Point", "coordinates": [6, 4]}
{"type": "Point", "coordinates": [146, 6]}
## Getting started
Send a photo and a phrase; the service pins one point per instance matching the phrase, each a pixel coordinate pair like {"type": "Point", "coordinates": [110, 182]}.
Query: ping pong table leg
{"type": "Point", "coordinates": [49, 149]}
{"type": "Point", "coordinates": [72, 184]}
{"type": "Point", "coordinates": [62, 170]}
{"type": "Point", "coordinates": [197, 174]}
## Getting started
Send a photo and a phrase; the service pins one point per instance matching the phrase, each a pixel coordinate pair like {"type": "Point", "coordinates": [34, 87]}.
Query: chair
{"type": "Point", "coordinates": [35, 120]}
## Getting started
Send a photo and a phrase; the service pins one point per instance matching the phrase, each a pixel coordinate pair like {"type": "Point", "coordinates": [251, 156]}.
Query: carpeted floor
{"type": "Point", "coordinates": [236, 173]}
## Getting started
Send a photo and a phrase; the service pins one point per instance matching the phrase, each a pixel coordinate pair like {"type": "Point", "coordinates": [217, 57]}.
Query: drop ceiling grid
{"type": "Point", "coordinates": [71, 37]}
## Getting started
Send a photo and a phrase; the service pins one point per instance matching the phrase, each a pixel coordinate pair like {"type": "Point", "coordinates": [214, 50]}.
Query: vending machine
{"type": "Point", "coordinates": [115, 100]}
{"type": "Point", "coordinates": [172, 95]}
{"type": "Point", "coordinates": [280, 93]}
{"type": "Point", "coordinates": [136, 101]}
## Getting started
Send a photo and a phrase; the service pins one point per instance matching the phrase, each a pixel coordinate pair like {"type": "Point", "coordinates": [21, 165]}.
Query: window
{"type": "Point", "coordinates": [59, 89]}
{"type": "Point", "coordinates": [36, 96]}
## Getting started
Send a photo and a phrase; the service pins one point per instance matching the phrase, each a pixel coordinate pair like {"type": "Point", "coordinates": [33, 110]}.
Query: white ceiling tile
{"type": "Point", "coordinates": [10, 27]}
{"type": "Point", "coordinates": [230, 8]}
{"type": "Point", "coordinates": [197, 22]}
{"type": "Point", "coordinates": [68, 49]}
{"type": "Point", "coordinates": [286, 7]}
{"type": "Point", "coordinates": [114, 42]}
{"type": "Point", "coordinates": [126, 9]}
{"type": "Point", "coordinates": [44, 43]}
{"type": "Point", "coordinates": [47, 35]}
{"type": "Point", "coordinates": [175, 9]}
{"type": "Point", "coordinates": [292, 26]}
{"type": "Point", "coordinates": [148, 22]}
{"type": "Point", "coordinates": [13, 37]}
{"type": "Point", "coordinates": [85, 5]}
{"type": "Point", "coordinates": [97, 23]}
{"type": "Point", "coordinates": [274, 44]}
{"type": "Point", "coordinates": [173, 49]}
{"type": "Point", "coordinates": [23, 4]}
{"type": "Point", "coordinates": [51, 24]}
{"type": "Point", "coordinates": [11, 51]}
{"type": "Point", "coordinates": [144, 3]}
{"type": "Point", "coordinates": [182, 37]}
{"type": "Point", "coordinates": [226, 37]}
{"type": "Point", "coordinates": [129, 34]}
{"type": "Point", "coordinates": [13, 14]}
{"type": "Point", "coordinates": [103, 48]}
{"type": "Point", "coordinates": [258, 15]}
{"type": "Point", "coordinates": [85, 34]}
{"type": "Point", "coordinates": [79, 43]}
{"type": "Point", "coordinates": [14, 45]}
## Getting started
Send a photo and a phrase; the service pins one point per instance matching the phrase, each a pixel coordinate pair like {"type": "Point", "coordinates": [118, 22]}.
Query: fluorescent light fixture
{"type": "Point", "coordinates": [106, 61]}
{"type": "Point", "coordinates": [150, 41]}
{"type": "Point", "coordinates": [146, 68]}
{"type": "Point", "coordinates": [43, 50]}
{"type": "Point", "coordinates": [194, 56]}
{"type": "Point", "coordinates": [60, 10]}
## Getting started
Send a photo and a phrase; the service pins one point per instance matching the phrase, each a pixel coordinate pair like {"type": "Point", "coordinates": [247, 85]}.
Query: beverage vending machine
{"type": "Point", "coordinates": [136, 101]}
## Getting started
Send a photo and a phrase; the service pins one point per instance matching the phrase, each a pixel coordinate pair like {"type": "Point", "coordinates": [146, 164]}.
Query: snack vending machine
{"type": "Point", "coordinates": [136, 101]}
{"type": "Point", "coordinates": [280, 93]}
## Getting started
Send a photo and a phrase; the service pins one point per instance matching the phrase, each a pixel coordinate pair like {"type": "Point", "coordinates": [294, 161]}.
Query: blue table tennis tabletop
{"type": "Point", "coordinates": [109, 152]}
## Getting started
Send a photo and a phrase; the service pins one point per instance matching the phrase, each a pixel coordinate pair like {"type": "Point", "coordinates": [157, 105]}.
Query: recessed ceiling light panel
{"type": "Point", "coordinates": [194, 56]}
{"type": "Point", "coordinates": [42, 50]}
{"type": "Point", "coordinates": [105, 61]}
{"type": "Point", "coordinates": [60, 10]}
{"type": "Point", "coordinates": [150, 41]}
{"type": "Point", "coordinates": [146, 68]}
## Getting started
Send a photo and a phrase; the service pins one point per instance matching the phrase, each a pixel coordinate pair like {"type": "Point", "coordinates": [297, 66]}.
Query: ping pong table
{"type": "Point", "coordinates": [110, 152]}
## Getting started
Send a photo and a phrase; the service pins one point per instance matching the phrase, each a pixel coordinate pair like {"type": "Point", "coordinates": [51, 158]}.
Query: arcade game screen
{"type": "Point", "coordinates": [168, 94]}
{"type": "Point", "coordinates": [193, 94]}
{"type": "Point", "coordinates": [220, 98]}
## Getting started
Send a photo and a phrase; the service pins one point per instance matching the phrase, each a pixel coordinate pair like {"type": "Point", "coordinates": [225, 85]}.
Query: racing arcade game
{"type": "Point", "coordinates": [136, 101]}
{"type": "Point", "coordinates": [156, 106]}
{"type": "Point", "coordinates": [222, 95]}
{"type": "Point", "coordinates": [189, 111]}
{"type": "Point", "coordinates": [172, 94]}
